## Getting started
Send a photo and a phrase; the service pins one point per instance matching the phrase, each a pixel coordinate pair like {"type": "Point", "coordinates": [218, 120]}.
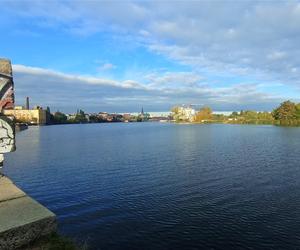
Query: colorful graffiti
{"type": "Point", "coordinates": [6, 85]}
{"type": "Point", "coordinates": [7, 128]}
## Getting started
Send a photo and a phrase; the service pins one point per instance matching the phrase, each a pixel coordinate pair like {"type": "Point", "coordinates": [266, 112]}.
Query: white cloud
{"type": "Point", "coordinates": [173, 79]}
{"type": "Point", "coordinates": [144, 33]}
{"type": "Point", "coordinates": [65, 77]}
{"type": "Point", "coordinates": [245, 38]}
{"type": "Point", "coordinates": [276, 55]}
{"type": "Point", "coordinates": [60, 90]}
{"type": "Point", "coordinates": [107, 66]}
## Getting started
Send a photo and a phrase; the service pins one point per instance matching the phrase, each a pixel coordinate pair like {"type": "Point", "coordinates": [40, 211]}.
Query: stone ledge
{"type": "Point", "coordinates": [8, 190]}
{"type": "Point", "coordinates": [4, 180]}
{"type": "Point", "coordinates": [22, 219]}
{"type": "Point", "coordinates": [18, 237]}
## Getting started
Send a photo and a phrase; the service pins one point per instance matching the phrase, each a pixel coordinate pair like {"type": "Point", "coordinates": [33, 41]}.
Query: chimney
{"type": "Point", "coordinates": [27, 103]}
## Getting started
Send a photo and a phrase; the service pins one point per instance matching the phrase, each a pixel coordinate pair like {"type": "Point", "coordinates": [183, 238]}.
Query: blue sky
{"type": "Point", "coordinates": [118, 56]}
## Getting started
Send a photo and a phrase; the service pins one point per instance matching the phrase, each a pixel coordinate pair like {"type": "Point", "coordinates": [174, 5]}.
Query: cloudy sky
{"type": "Point", "coordinates": [118, 56]}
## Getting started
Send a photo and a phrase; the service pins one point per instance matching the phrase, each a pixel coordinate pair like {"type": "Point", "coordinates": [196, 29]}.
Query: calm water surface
{"type": "Point", "coordinates": [165, 186]}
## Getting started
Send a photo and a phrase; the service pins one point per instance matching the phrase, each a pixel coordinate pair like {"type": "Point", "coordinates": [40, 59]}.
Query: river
{"type": "Point", "coordinates": [165, 186]}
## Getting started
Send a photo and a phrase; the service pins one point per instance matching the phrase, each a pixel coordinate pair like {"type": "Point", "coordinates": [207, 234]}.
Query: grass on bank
{"type": "Point", "coordinates": [55, 242]}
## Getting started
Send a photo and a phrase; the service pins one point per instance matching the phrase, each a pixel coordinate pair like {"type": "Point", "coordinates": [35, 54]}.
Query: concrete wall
{"type": "Point", "coordinates": [22, 219]}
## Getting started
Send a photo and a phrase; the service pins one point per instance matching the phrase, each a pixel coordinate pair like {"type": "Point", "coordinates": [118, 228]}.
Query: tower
{"type": "Point", "coordinates": [27, 103]}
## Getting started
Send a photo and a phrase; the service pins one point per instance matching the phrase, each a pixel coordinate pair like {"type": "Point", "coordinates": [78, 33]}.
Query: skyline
{"type": "Point", "coordinates": [120, 56]}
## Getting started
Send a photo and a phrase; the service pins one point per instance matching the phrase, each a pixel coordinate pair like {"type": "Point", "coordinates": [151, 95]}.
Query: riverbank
{"type": "Point", "coordinates": [258, 122]}
{"type": "Point", "coordinates": [287, 114]}
{"type": "Point", "coordinates": [21, 126]}
{"type": "Point", "coordinates": [23, 220]}
{"type": "Point", "coordinates": [54, 242]}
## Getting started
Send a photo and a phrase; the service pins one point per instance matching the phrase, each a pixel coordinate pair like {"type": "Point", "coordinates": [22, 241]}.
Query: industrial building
{"type": "Point", "coordinates": [37, 115]}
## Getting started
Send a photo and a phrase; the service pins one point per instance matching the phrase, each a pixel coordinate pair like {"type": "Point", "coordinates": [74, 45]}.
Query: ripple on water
{"type": "Point", "coordinates": [164, 186]}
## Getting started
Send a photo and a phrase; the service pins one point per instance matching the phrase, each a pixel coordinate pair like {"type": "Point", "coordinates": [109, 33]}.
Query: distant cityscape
{"type": "Point", "coordinates": [288, 113]}
{"type": "Point", "coordinates": [43, 116]}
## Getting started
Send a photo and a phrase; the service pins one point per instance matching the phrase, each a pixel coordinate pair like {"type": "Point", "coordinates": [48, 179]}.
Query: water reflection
{"type": "Point", "coordinates": [166, 186]}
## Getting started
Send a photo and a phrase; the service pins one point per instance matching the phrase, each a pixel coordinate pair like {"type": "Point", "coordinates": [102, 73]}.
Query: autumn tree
{"type": "Point", "coordinates": [297, 113]}
{"type": "Point", "coordinates": [204, 113]}
{"type": "Point", "coordinates": [286, 111]}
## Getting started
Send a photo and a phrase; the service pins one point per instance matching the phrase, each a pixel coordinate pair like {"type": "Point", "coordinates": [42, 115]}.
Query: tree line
{"type": "Point", "coordinates": [286, 114]}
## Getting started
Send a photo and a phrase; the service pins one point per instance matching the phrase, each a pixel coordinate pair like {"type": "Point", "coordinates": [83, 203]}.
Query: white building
{"type": "Point", "coordinates": [185, 113]}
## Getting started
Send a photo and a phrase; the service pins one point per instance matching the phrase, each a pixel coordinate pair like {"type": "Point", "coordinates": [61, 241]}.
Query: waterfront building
{"type": "Point", "coordinates": [185, 113]}
{"type": "Point", "coordinates": [22, 114]}
{"type": "Point", "coordinates": [36, 116]}
{"type": "Point", "coordinates": [87, 117]}
{"type": "Point", "coordinates": [19, 107]}
{"type": "Point", "coordinates": [127, 117]}
{"type": "Point", "coordinates": [103, 115]}
{"type": "Point", "coordinates": [71, 116]}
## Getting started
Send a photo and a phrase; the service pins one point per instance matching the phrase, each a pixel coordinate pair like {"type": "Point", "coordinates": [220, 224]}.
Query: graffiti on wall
{"type": "Point", "coordinates": [6, 85]}
{"type": "Point", "coordinates": [7, 129]}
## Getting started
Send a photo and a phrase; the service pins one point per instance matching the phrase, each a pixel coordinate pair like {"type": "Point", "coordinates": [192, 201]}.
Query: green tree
{"type": "Point", "coordinates": [297, 113]}
{"type": "Point", "coordinates": [59, 118]}
{"type": "Point", "coordinates": [250, 115]}
{"type": "Point", "coordinates": [94, 119]}
{"type": "Point", "coordinates": [286, 111]}
{"type": "Point", "coordinates": [177, 114]}
{"type": "Point", "coordinates": [80, 117]}
{"type": "Point", "coordinates": [49, 116]}
{"type": "Point", "coordinates": [234, 114]}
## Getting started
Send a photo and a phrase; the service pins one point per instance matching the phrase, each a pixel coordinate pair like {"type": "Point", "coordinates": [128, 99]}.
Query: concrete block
{"type": "Point", "coordinates": [8, 190]}
{"type": "Point", "coordinates": [4, 180]}
{"type": "Point", "coordinates": [22, 219]}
